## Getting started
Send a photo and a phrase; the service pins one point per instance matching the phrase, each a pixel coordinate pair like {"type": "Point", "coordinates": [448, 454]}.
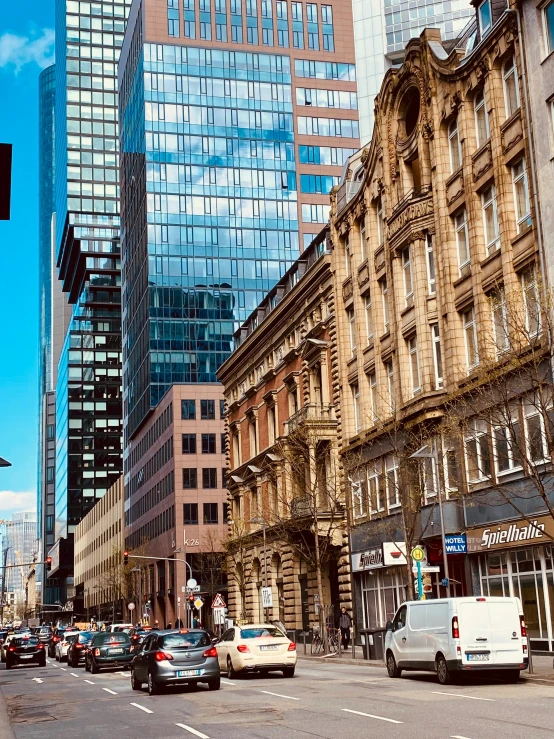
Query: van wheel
{"type": "Point", "coordinates": [443, 673]}
{"type": "Point", "coordinates": [392, 667]}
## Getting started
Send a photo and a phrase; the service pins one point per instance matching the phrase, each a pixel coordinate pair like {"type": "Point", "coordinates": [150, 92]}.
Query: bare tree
{"type": "Point", "coordinates": [237, 548]}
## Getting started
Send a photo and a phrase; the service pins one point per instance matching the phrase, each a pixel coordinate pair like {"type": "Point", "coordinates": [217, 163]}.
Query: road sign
{"type": "Point", "coordinates": [444, 582]}
{"type": "Point", "coordinates": [198, 603]}
{"type": "Point", "coordinates": [219, 616]}
{"type": "Point", "coordinates": [131, 606]}
{"type": "Point", "coordinates": [195, 589]}
{"type": "Point", "coordinates": [218, 601]}
{"type": "Point", "coordinates": [267, 597]}
{"type": "Point", "coordinates": [183, 589]}
{"type": "Point", "coordinates": [426, 568]}
{"type": "Point", "coordinates": [191, 583]}
{"type": "Point", "coordinates": [418, 554]}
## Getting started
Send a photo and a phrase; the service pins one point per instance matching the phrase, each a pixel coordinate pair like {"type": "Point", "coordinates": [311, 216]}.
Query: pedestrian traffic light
{"type": "Point", "coordinates": [48, 564]}
{"type": "Point", "coordinates": [125, 558]}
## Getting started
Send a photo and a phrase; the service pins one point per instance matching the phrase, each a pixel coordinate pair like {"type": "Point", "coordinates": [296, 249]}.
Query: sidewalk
{"type": "Point", "coordinates": [543, 669]}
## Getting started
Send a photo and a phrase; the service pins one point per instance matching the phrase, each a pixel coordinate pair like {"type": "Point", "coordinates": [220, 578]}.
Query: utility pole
{"type": "Point", "coordinates": [3, 591]}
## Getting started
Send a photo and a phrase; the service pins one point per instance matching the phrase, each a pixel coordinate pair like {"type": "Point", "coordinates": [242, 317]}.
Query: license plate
{"type": "Point", "coordinates": [269, 647]}
{"type": "Point", "coordinates": [477, 657]}
{"type": "Point", "coordinates": [25, 656]}
{"type": "Point", "coordinates": [189, 673]}
{"type": "Point", "coordinates": [116, 651]}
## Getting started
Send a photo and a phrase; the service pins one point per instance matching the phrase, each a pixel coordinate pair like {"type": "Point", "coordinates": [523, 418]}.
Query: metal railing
{"type": "Point", "coordinates": [311, 412]}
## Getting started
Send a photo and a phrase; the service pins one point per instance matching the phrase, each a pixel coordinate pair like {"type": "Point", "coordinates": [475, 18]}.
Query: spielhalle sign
{"type": "Point", "coordinates": [538, 530]}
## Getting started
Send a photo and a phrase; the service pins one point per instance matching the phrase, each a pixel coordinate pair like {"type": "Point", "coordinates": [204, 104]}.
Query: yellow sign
{"type": "Point", "coordinates": [418, 555]}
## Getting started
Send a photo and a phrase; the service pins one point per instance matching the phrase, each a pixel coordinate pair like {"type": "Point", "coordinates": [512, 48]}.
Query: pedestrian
{"type": "Point", "coordinates": [178, 624]}
{"type": "Point", "coordinates": [168, 625]}
{"type": "Point", "coordinates": [156, 625]}
{"type": "Point", "coordinates": [344, 625]}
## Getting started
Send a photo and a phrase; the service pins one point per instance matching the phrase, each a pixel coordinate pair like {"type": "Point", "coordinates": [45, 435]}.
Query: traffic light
{"type": "Point", "coordinates": [125, 558]}
{"type": "Point", "coordinates": [48, 564]}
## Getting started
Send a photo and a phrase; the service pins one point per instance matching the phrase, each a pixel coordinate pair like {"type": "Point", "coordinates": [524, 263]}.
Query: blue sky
{"type": "Point", "coordinates": [26, 46]}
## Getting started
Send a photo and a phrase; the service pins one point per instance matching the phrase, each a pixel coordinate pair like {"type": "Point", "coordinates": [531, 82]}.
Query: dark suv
{"type": "Point", "coordinates": [24, 649]}
{"type": "Point", "coordinates": [108, 650]}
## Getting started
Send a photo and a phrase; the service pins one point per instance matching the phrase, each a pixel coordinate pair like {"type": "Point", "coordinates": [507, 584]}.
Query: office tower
{"type": "Point", "coordinates": [236, 120]}
{"type": "Point", "coordinates": [20, 541]}
{"type": "Point", "coordinates": [382, 28]}
{"type": "Point", "coordinates": [88, 408]}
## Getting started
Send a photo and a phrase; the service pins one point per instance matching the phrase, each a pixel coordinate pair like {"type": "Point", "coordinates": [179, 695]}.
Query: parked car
{"type": "Point", "coordinates": [256, 647]}
{"type": "Point", "coordinates": [77, 647]}
{"type": "Point", "coordinates": [63, 645]}
{"type": "Point", "coordinates": [176, 657]}
{"type": "Point", "coordinates": [23, 649]}
{"type": "Point", "coordinates": [452, 635]}
{"type": "Point", "coordinates": [108, 650]}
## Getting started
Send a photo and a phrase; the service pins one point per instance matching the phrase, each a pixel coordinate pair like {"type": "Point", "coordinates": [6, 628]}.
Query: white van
{"type": "Point", "coordinates": [458, 634]}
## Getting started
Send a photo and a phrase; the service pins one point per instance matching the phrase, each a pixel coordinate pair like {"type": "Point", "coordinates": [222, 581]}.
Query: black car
{"type": "Point", "coordinates": [108, 650]}
{"type": "Point", "coordinates": [25, 649]}
{"type": "Point", "coordinates": [77, 649]}
{"type": "Point", "coordinates": [57, 635]}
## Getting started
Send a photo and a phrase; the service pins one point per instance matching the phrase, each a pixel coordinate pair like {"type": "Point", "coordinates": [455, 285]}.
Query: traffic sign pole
{"type": "Point", "coordinates": [420, 595]}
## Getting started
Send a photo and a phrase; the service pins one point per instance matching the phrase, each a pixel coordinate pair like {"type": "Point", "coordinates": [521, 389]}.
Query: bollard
{"type": "Point", "coordinates": [304, 638]}
{"type": "Point", "coordinates": [529, 655]}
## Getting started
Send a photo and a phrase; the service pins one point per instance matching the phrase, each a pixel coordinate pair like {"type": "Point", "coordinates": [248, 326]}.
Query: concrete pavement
{"type": "Point", "coordinates": [322, 700]}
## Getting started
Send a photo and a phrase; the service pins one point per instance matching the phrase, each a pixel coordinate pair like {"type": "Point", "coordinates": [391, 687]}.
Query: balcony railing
{"type": "Point", "coordinates": [311, 413]}
{"type": "Point", "coordinates": [301, 506]}
{"type": "Point", "coordinates": [346, 192]}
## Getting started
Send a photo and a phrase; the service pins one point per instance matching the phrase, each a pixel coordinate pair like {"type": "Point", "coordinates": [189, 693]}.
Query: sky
{"type": "Point", "coordinates": [26, 47]}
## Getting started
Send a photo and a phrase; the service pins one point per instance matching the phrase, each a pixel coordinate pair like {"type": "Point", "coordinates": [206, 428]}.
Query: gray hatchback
{"type": "Point", "coordinates": [177, 657]}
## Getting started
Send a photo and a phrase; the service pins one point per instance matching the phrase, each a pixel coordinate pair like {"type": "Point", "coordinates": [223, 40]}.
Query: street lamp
{"type": "Point", "coordinates": [263, 523]}
{"type": "Point", "coordinates": [427, 452]}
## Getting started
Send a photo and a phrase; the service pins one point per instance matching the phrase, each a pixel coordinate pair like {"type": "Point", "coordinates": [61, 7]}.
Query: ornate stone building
{"type": "Point", "coordinates": [282, 390]}
{"type": "Point", "coordinates": [441, 342]}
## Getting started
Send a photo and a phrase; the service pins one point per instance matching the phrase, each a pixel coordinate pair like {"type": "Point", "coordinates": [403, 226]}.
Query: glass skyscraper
{"type": "Point", "coordinates": [89, 36]}
{"type": "Point", "coordinates": [233, 131]}
{"type": "Point", "coordinates": [382, 28]}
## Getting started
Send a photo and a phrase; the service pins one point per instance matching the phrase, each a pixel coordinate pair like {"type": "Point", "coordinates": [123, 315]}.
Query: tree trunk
{"type": "Point", "coordinates": [317, 552]}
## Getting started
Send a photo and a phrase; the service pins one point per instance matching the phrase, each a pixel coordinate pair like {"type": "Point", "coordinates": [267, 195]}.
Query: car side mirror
{"type": "Point", "coordinates": [215, 640]}
{"type": "Point", "coordinates": [389, 626]}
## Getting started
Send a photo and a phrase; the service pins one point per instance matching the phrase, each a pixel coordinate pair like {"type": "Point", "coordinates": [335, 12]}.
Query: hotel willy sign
{"type": "Point", "coordinates": [538, 530]}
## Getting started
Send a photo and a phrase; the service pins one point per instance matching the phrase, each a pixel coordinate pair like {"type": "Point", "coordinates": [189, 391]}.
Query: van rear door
{"type": "Point", "coordinates": [490, 632]}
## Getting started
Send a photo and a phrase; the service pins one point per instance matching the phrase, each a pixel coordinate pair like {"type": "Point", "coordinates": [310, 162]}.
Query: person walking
{"type": "Point", "coordinates": [344, 625]}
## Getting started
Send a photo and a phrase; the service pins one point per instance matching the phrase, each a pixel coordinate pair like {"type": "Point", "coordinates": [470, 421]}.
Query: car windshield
{"type": "Point", "coordinates": [85, 637]}
{"type": "Point", "coordinates": [103, 639]}
{"type": "Point", "coordinates": [185, 640]}
{"type": "Point", "coordinates": [71, 637]}
{"type": "Point", "coordinates": [26, 641]}
{"type": "Point", "coordinates": [261, 631]}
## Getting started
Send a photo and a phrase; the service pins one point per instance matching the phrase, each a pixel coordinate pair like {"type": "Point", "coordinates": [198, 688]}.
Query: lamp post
{"type": "Point", "coordinates": [263, 524]}
{"type": "Point", "coordinates": [427, 452]}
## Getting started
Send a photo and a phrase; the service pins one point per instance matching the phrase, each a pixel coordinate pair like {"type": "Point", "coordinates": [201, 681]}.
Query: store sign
{"type": "Point", "coordinates": [455, 543]}
{"type": "Point", "coordinates": [367, 560]}
{"type": "Point", "coordinates": [394, 553]}
{"type": "Point", "coordinates": [537, 530]}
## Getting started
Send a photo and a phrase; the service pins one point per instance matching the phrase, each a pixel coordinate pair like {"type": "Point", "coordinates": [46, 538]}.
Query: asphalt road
{"type": "Point", "coordinates": [322, 700]}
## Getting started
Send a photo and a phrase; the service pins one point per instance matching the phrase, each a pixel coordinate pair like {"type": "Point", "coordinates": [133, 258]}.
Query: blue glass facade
{"type": "Point", "coordinates": [208, 136]}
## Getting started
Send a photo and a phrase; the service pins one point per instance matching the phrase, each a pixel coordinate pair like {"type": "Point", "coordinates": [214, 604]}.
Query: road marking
{"type": "Point", "coordinates": [278, 695]}
{"type": "Point", "coordinates": [37, 680]}
{"type": "Point", "coordinates": [142, 708]}
{"type": "Point", "coordinates": [74, 674]}
{"type": "Point", "coordinates": [63, 668]}
{"type": "Point", "coordinates": [457, 736]}
{"type": "Point", "coordinates": [193, 731]}
{"type": "Point", "coordinates": [89, 682]}
{"type": "Point", "coordinates": [48, 661]}
{"type": "Point", "coordinates": [461, 695]}
{"type": "Point", "coordinates": [370, 715]}
{"type": "Point", "coordinates": [227, 682]}
{"type": "Point", "coordinates": [112, 692]}
{"type": "Point", "coordinates": [121, 673]}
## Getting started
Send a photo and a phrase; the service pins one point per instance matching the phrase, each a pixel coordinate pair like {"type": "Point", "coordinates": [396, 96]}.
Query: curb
{"type": "Point", "coordinates": [5, 726]}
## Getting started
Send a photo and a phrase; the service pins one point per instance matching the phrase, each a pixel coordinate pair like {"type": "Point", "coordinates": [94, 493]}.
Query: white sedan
{"type": "Point", "coordinates": [256, 648]}
{"type": "Point", "coordinates": [63, 645]}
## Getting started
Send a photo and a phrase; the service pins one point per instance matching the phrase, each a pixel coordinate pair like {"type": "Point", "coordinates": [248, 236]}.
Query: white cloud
{"type": "Point", "coordinates": [16, 51]}
{"type": "Point", "coordinates": [11, 502]}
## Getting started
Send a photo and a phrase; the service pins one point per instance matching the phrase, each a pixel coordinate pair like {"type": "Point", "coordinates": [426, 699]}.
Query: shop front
{"type": "Point", "coordinates": [515, 558]}
{"type": "Point", "coordinates": [380, 583]}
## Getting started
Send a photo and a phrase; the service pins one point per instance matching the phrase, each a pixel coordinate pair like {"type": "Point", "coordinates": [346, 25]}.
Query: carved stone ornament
{"type": "Point", "coordinates": [427, 130]}
{"type": "Point", "coordinates": [360, 209]}
{"type": "Point", "coordinates": [344, 227]}
{"type": "Point", "coordinates": [482, 68]}
{"type": "Point", "coordinates": [365, 156]}
{"type": "Point", "coordinates": [455, 100]}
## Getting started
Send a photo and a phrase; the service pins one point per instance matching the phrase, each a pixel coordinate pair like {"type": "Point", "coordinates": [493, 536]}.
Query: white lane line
{"type": "Point", "coordinates": [227, 682]}
{"type": "Point", "coordinates": [74, 674]}
{"type": "Point", "coordinates": [458, 736]}
{"type": "Point", "coordinates": [461, 695]}
{"type": "Point", "coordinates": [193, 731]}
{"type": "Point", "coordinates": [142, 708]}
{"type": "Point", "coordinates": [371, 715]}
{"type": "Point", "coordinates": [89, 682]}
{"type": "Point", "coordinates": [37, 680]}
{"type": "Point", "coordinates": [279, 695]}
{"type": "Point", "coordinates": [111, 692]}
{"type": "Point", "coordinates": [63, 668]}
